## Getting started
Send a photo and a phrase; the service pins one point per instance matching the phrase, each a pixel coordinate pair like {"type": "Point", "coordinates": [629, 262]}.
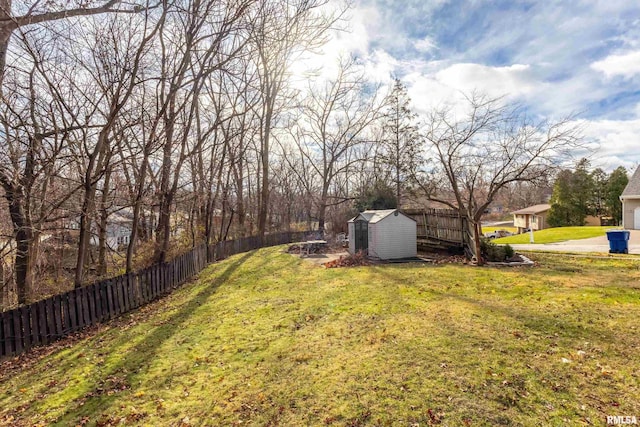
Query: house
{"type": "Point", "coordinates": [385, 234]}
{"type": "Point", "coordinates": [630, 199]}
{"type": "Point", "coordinates": [534, 217]}
{"type": "Point", "coordinates": [118, 230]}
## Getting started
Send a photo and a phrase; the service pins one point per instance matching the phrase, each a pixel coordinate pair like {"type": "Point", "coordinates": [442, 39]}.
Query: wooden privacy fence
{"type": "Point", "coordinates": [45, 321]}
{"type": "Point", "coordinates": [444, 228]}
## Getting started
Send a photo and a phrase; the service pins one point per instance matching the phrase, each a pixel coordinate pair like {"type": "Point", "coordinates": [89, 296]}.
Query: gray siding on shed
{"type": "Point", "coordinates": [392, 234]}
{"type": "Point", "coordinates": [393, 237]}
{"type": "Point", "coordinates": [352, 238]}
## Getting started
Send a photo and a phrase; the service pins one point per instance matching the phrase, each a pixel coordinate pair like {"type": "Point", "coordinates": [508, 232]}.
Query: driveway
{"type": "Point", "coordinates": [594, 244]}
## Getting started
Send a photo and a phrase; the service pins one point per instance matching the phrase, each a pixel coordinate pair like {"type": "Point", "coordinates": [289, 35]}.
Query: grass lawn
{"type": "Point", "coordinates": [492, 229]}
{"type": "Point", "coordinates": [265, 338]}
{"type": "Point", "coordinates": [559, 234]}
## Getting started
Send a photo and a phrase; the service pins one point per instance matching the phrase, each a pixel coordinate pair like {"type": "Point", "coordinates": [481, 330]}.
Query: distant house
{"type": "Point", "coordinates": [495, 209]}
{"type": "Point", "coordinates": [385, 234]}
{"type": "Point", "coordinates": [118, 230]}
{"type": "Point", "coordinates": [630, 199]}
{"type": "Point", "coordinates": [534, 217]}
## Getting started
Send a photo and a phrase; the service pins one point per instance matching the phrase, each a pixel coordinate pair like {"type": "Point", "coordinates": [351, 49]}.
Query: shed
{"type": "Point", "coordinates": [386, 234]}
{"type": "Point", "coordinates": [630, 199]}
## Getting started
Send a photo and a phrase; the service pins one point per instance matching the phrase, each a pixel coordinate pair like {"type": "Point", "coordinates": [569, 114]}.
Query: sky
{"type": "Point", "coordinates": [558, 58]}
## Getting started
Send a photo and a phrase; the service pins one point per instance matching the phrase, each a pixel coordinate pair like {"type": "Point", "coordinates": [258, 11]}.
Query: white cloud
{"type": "Point", "coordinates": [438, 84]}
{"type": "Point", "coordinates": [552, 57]}
{"type": "Point", "coordinates": [618, 142]}
{"type": "Point", "coordinates": [425, 45]}
{"type": "Point", "coordinates": [380, 66]}
{"type": "Point", "coordinates": [626, 65]}
{"type": "Point", "coordinates": [323, 64]}
{"type": "Point", "coordinates": [512, 81]}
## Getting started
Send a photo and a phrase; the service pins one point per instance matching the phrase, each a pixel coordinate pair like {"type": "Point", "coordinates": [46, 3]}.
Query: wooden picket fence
{"type": "Point", "coordinates": [43, 322]}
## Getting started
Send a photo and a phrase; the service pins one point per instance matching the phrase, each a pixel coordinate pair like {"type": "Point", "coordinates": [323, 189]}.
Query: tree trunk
{"type": "Point", "coordinates": [322, 209]}
{"type": "Point", "coordinates": [476, 240]}
{"type": "Point", "coordinates": [24, 256]}
{"type": "Point", "coordinates": [5, 35]}
{"type": "Point", "coordinates": [264, 157]}
{"type": "Point", "coordinates": [398, 170]}
{"type": "Point", "coordinates": [137, 205]}
{"type": "Point", "coordinates": [264, 190]}
{"type": "Point", "coordinates": [85, 234]}
{"type": "Point", "coordinates": [102, 236]}
{"type": "Point", "coordinates": [163, 229]}
{"type": "Point", "coordinates": [23, 236]}
{"type": "Point", "coordinates": [239, 176]}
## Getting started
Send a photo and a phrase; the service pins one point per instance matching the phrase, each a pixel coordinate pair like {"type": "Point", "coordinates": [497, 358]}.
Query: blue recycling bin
{"type": "Point", "coordinates": [618, 241]}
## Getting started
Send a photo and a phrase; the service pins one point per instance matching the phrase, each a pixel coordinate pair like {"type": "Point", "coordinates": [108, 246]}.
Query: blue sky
{"type": "Point", "coordinates": [559, 58]}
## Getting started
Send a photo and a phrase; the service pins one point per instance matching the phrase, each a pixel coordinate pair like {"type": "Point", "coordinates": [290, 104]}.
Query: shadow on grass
{"type": "Point", "coordinates": [86, 370]}
{"type": "Point", "coordinates": [138, 360]}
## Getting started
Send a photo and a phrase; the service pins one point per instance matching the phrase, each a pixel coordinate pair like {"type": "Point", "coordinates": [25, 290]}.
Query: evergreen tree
{"type": "Point", "coordinates": [572, 196]}
{"type": "Point", "coordinates": [583, 189]}
{"type": "Point", "coordinates": [597, 206]}
{"type": "Point", "coordinates": [562, 212]}
{"type": "Point", "coordinates": [378, 196]}
{"type": "Point", "coordinates": [616, 183]}
{"type": "Point", "coordinates": [401, 140]}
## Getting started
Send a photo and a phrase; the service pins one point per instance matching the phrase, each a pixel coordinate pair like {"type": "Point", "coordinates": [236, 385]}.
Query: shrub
{"type": "Point", "coordinates": [508, 251]}
{"type": "Point", "coordinates": [492, 252]}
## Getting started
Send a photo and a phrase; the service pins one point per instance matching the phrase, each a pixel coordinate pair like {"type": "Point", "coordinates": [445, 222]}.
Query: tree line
{"type": "Point", "coordinates": [185, 116]}
{"type": "Point", "coordinates": [582, 192]}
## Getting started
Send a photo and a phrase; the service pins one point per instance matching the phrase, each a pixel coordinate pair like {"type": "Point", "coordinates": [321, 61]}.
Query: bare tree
{"type": "Point", "coordinates": [164, 107]}
{"type": "Point", "coordinates": [487, 148]}
{"type": "Point", "coordinates": [281, 32]}
{"type": "Point", "coordinates": [335, 117]}
{"type": "Point", "coordinates": [198, 43]}
{"type": "Point", "coordinates": [114, 69]}
{"type": "Point", "coordinates": [39, 119]}
{"type": "Point", "coordinates": [36, 12]}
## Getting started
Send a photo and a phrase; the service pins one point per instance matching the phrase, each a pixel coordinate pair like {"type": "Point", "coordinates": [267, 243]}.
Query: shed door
{"type": "Point", "coordinates": [361, 235]}
{"type": "Point", "coordinates": [636, 219]}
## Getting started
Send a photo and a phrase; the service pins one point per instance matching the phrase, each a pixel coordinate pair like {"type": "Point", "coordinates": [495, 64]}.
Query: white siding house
{"type": "Point", "coordinates": [118, 230]}
{"type": "Point", "coordinates": [631, 203]}
{"type": "Point", "coordinates": [386, 234]}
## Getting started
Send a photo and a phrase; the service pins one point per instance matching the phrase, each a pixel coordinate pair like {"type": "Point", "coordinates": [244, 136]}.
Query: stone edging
{"type": "Point", "coordinates": [525, 263]}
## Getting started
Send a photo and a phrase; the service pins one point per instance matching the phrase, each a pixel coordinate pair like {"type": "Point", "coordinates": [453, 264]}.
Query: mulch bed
{"type": "Point", "coordinates": [357, 260]}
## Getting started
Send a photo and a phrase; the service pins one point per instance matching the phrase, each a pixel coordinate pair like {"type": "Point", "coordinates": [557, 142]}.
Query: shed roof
{"type": "Point", "coordinates": [374, 216]}
{"type": "Point", "coordinates": [532, 210]}
{"type": "Point", "coordinates": [633, 187]}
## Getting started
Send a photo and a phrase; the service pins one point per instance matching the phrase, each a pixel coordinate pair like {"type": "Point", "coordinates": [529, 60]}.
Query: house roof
{"type": "Point", "coordinates": [532, 210]}
{"type": "Point", "coordinates": [120, 218]}
{"type": "Point", "coordinates": [633, 187]}
{"type": "Point", "coordinates": [374, 216]}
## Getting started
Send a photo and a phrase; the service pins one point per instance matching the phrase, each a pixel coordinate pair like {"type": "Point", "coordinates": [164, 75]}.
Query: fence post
{"type": "Point", "coordinates": [44, 335]}
{"type": "Point", "coordinates": [24, 314]}
{"type": "Point", "coordinates": [8, 337]}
